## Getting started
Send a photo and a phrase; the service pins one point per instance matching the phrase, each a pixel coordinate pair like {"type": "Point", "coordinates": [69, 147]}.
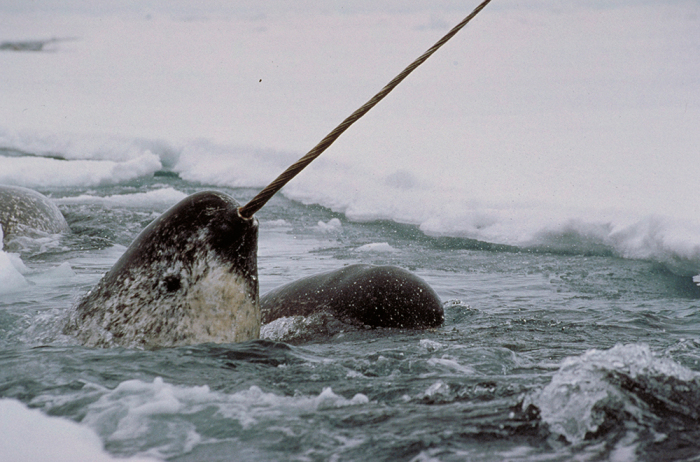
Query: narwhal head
{"type": "Point", "coordinates": [190, 277]}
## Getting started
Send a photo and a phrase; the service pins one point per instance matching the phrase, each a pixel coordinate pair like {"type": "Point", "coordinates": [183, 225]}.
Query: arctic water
{"type": "Point", "coordinates": [544, 183]}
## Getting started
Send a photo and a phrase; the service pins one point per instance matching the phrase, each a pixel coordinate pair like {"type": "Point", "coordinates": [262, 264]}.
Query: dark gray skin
{"type": "Point", "coordinates": [190, 277]}
{"type": "Point", "coordinates": [378, 296]}
{"type": "Point", "coordinates": [25, 212]}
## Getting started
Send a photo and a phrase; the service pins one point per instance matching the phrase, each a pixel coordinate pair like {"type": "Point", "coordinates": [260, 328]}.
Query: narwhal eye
{"type": "Point", "coordinates": [172, 282]}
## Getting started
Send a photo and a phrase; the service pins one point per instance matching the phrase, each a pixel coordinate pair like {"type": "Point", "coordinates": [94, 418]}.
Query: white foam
{"type": "Point", "coordinates": [11, 265]}
{"type": "Point", "coordinates": [333, 226]}
{"type": "Point", "coordinates": [158, 197]}
{"type": "Point", "coordinates": [11, 280]}
{"type": "Point", "coordinates": [134, 409]}
{"type": "Point", "coordinates": [280, 223]}
{"type": "Point", "coordinates": [293, 329]}
{"type": "Point", "coordinates": [57, 274]}
{"type": "Point", "coordinates": [284, 328]}
{"type": "Point", "coordinates": [430, 345]}
{"type": "Point", "coordinates": [438, 390]}
{"type": "Point", "coordinates": [231, 165]}
{"type": "Point", "coordinates": [16, 276]}
{"type": "Point", "coordinates": [379, 247]}
{"type": "Point", "coordinates": [28, 435]}
{"type": "Point", "coordinates": [674, 242]}
{"type": "Point", "coordinates": [81, 145]}
{"type": "Point", "coordinates": [46, 172]}
{"type": "Point", "coordinates": [451, 365]}
{"type": "Point", "coordinates": [567, 404]}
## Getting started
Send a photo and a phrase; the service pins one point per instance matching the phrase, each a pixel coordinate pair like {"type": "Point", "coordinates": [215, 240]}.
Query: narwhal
{"type": "Point", "coordinates": [25, 212]}
{"type": "Point", "coordinates": [191, 275]}
{"type": "Point", "coordinates": [366, 295]}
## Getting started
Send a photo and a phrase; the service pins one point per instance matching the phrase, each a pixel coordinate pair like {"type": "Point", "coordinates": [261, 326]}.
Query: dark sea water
{"type": "Point", "coordinates": [561, 353]}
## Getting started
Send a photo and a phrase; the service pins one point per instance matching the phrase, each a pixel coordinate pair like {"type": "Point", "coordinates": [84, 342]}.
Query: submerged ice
{"type": "Point", "coordinates": [627, 383]}
{"type": "Point", "coordinates": [11, 278]}
{"type": "Point", "coordinates": [160, 420]}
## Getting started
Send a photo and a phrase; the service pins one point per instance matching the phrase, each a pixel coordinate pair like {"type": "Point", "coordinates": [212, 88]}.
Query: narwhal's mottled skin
{"type": "Point", "coordinates": [25, 212]}
{"type": "Point", "coordinates": [190, 277]}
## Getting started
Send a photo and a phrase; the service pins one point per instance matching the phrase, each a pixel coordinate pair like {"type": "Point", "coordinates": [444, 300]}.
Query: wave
{"type": "Point", "coordinates": [628, 390]}
{"type": "Point", "coordinates": [158, 419]}
{"type": "Point", "coordinates": [48, 438]}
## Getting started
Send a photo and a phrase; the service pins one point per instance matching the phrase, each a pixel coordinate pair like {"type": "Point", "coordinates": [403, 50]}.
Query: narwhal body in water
{"type": "Point", "coordinates": [191, 276]}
